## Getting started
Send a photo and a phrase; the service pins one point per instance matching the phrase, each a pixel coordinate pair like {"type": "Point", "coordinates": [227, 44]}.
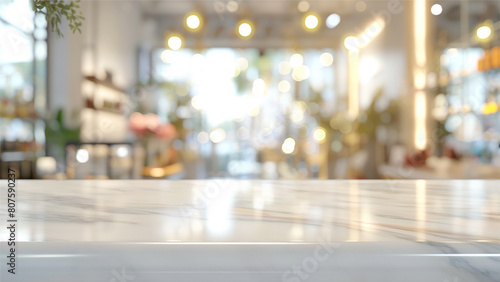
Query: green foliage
{"type": "Point", "coordinates": [370, 119]}
{"type": "Point", "coordinates": [57, 135]}
{"type": "Point", "coordinates": [54, 10]}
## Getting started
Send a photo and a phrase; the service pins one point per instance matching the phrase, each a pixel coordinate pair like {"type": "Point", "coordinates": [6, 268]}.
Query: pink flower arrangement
{"type": "Point", "coordinates": [150, 123]}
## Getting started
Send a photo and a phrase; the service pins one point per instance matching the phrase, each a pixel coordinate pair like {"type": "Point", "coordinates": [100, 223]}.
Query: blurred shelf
{"type": "Point", "coordinates": [105, 83]}
{"type": "Point", "coordinates": [105, 110]}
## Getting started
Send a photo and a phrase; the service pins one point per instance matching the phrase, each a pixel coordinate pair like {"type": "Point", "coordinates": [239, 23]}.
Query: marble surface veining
{"type": "Point", "coordinates": [376, 230]}
{"type": "Point", "coordinates": [223, 210]}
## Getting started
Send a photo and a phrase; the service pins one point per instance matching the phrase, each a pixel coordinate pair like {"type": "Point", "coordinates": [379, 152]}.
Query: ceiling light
{"type": "Point", "coordinates": [436, 9]}
{"type": "Point", "coordinates": [193, 21]}
{"type": "Point", "coordinates": [483, 32]}
{"type": "Point", "coordinates": [174, 42]}
{"type": "Point", "coordinates": [245, 29]}
{"type": "Point", "coordinates": [332, 21]}
{"type": "Point", "coordinates": [311, 22]}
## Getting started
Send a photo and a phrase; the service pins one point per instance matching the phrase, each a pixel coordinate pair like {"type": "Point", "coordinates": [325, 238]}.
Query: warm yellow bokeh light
{"type": "Point", "coordinates": [326, 59]}
{"type": "Point", "coordinates": [300, 73]}
{"type": "Point", "coordinates": [301, 106]}
{"type": "Point", "coordinates": [284, 86]}
{"type": "Point", "coordinates": [311, 21]}
{"type": "Point", "coordinates": [218, 135]}
{"type": "Point", "coordinates": [245, 29]}
{"type": "Point", "coordinates": [193, 21]}
{"type": "Point", "coordinates": [296, 60]}
{"type": "Point", "coordinates": [319, 134]}
{"type": "Point", "coordinates": [174, 42]}
{"type": "Point", "coordinates": [288, 146]}
{"type": "Point", "coordinates": [483, 32]}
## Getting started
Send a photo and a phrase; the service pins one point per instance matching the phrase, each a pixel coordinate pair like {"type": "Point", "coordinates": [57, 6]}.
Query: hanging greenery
{"type": "Point", "coordinates": [54, 10]}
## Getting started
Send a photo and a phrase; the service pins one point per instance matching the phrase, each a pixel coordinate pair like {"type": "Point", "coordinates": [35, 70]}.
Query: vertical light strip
{"type": "Point", "coordinates": [420, 120]}
{"type": "Point", "coordinates": [421, 209]}
{"type": "Point", "coordinates": [353, 86]}
{"type": "Point", "coordinates": [420, 32]}
{"type": "Point", "coordinates": [419, 73]}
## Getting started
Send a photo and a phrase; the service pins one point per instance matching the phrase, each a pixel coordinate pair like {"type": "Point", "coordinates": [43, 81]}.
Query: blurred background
{"type": "Point", "coordinates": [278, 89]}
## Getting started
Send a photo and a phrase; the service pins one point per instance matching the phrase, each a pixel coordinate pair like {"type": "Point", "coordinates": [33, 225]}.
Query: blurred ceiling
{"type": "Point", "coordinates": [278, 23]}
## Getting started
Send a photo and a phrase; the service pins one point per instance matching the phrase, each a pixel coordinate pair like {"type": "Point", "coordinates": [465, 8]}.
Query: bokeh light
{"type": "Point", "coordinates": [351, 43]}
{"type": "Point", "coordinates": [436, 9]}
{"type": "Point", "coordinates": [300, 73]}
{"type": "Point", "coordinates": [319, 134]}
{"type": "Point", "coordinates": [332, 21]}
{"type": "Point", "coordinates": [218, 135]}
{"type": "Point", "coordinates": [232, 6]}
{"type": "Point", "coordinates": [296, 60]}
{"type": "Point", "coordinates": [288, 146]}
{"type": "Point", "coordinates": [202, 137]}
{"type": "Point", "coordinates": [193, 21]}
{"type": "Point", "coordinates": [82, 156]}
{"type": "Point", "coordinates": [284, 86]}
{"type": "Point", "coordinates": [303, 6]}
{"type": "Point", "coordinates": [174, 42]}
{"type": "Point", "coordinates": [245, 29]}
{"type": "Point", "coordinates": [311, 21]}
{"type": "Point", "coordinates": [326, 59]}
{"type": "Point", "coordinates": [483, 32]}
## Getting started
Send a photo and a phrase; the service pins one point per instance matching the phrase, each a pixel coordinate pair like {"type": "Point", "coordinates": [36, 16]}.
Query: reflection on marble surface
{"type": "Point", "coordinates": [378, 230]}
{"type": "Point", "coordinates": [258, 211]}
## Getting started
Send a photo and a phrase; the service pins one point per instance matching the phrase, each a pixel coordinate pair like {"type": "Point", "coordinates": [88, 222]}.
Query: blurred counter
{"type": "Point", "coordinates": [441, 168]}
{"type": "Point", "coordinates": [231, 230]}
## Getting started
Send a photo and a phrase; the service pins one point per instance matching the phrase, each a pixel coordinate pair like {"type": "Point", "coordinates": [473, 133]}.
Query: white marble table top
{"type": "Point", "coordinates": [235, 230]}
{"type": "Point", "coordinates": [225, 210]}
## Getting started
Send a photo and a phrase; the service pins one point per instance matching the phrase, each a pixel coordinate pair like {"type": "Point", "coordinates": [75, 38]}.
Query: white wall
{"type": "Point", "coordinates": [383, 63]}
{"type": "Point", "coordinates": [109, 41]}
